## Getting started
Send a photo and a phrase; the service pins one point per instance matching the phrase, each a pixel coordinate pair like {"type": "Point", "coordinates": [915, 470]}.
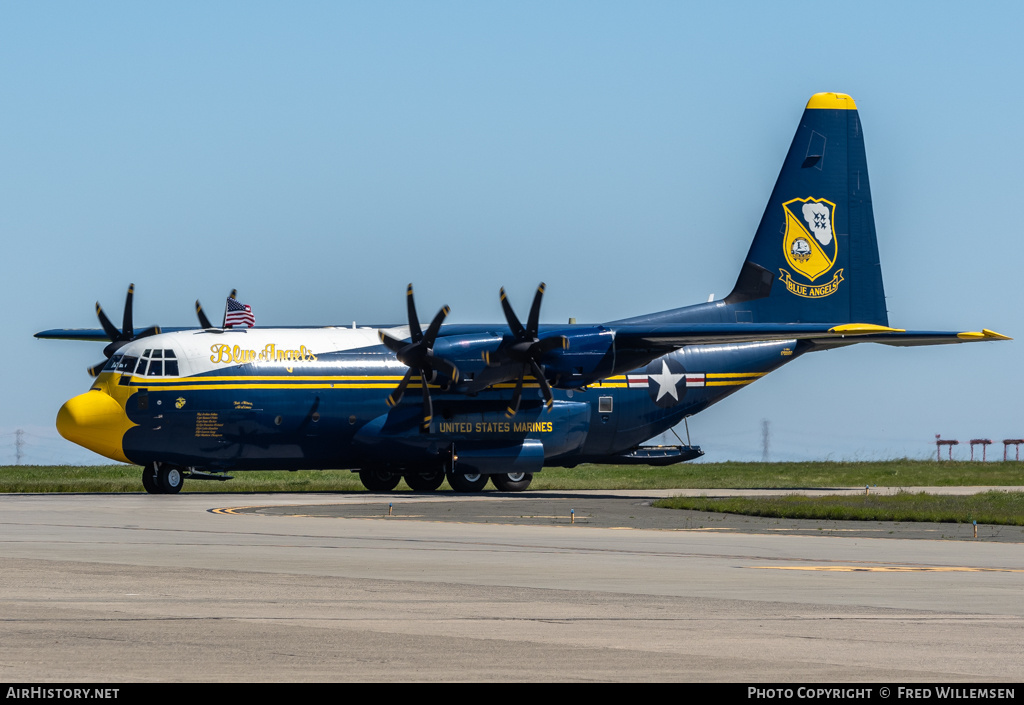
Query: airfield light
{"type": "Point", "coordinates": [949, 443]}
{"type": "Point", "coordinates": [984, 443]}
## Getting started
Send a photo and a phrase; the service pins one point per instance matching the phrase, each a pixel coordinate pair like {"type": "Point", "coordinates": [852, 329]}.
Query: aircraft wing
{"type": "Point", "coordinates": [94, 334]}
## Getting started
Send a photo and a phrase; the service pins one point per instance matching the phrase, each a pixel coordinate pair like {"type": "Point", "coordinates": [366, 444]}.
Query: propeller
{"type": "Point", "coordinates": [204, 322]}
{"type": "Point", "coordinates": [527, 349]}
{"type": "Point", "coordinates": [418, 355]}
{"type": "Point", "coordinates": [119, 338]}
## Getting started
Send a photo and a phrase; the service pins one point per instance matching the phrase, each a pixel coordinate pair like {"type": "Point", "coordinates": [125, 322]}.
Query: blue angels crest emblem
{"type": "Point", "coordinates": [810, 246]}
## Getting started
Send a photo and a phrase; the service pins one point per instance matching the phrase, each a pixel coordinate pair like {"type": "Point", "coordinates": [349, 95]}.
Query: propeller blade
{"type": "Point", "coordinates": [435, 326]}
{"type": "Point", "coordinates": [113, 347]}
{"type": "Point", "coordinates": [445, 368]}
{"type": "Point", "coordinates": [96, 369]}
{"type": "Point", "coordinates": [517, 395]}
{"type": "Point", "coordinates": [108, 327]}
{"type": "Point", "coordinates": [204, 322]}
{"type": "Point", "coordinates": [414, 321]}
{"type": "Point", "coordinates": [545, 388]}
{"type": "Point", "coordinates": [120, 338]}
{"type": "Point", "coordinates": [396, 396]}
{"type": "Point", "coordinates": [510, 316]}
{"type": "Point", "coordinates": [126, 326]}
{"type": "Point", "coordinates": [417, 355]}
{"type": "Point", "coordinates": [533, 322]}
{"type": "Point", "coordinates": [393, 344]}
{"type": "Point", "coordinates": [428, 406]}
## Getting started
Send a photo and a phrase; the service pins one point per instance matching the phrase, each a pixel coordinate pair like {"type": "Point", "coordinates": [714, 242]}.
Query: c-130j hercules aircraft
{"type": "Point", "coordinates": [502, 401]}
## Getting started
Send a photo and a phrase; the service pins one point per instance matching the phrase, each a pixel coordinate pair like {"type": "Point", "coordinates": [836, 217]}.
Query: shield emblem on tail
{"type": "Point", "coordinates": [810, 244]}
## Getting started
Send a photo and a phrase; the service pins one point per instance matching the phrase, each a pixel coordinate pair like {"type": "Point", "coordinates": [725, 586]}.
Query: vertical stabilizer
{"type": "Point", "coordinates": [814, 258]}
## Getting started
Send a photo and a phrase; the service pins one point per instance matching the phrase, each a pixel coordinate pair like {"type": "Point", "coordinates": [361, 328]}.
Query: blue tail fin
{"type": "Point", "coordinates": [814, 258]}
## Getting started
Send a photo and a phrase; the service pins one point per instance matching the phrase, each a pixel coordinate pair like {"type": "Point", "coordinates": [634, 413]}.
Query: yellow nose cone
{"type": "Point", "coordinates": [95, 421]}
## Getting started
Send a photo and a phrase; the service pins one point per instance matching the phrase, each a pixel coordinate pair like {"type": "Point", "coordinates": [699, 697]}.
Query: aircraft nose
{"type": "Point", "coordinates": [95, 421]}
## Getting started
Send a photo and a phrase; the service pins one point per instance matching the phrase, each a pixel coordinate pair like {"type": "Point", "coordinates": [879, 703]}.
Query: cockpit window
{"type": "Point", "coordinates": [127, 364]}
{"type": "Point", "coordinates": [170, 363]}
{"type": "Point", "coordinates": [153, 363]}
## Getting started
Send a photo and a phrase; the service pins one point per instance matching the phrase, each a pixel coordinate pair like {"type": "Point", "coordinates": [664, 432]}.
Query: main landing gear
{"type": "Point", "coordinates": [163, 478]}
{"type": "Point", "coordinates": [380, 480]}
{"type": "Point", "coordinates": [512, 481]}
{"type": "Point", "coordinates": [467, 483]}
{"type": "Point", "coordinates": [426, 481]}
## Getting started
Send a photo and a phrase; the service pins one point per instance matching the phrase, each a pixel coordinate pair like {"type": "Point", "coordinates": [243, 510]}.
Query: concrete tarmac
{"type": "Point", "coordinates": [493, 587]}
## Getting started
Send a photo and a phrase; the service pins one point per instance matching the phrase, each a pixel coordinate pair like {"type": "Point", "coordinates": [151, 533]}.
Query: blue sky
{"type": "Point", "coordinates": [319, 156]}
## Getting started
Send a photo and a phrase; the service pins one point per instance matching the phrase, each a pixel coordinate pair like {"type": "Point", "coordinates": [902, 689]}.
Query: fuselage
{"type": "Point", "coordinates": [313, 398]}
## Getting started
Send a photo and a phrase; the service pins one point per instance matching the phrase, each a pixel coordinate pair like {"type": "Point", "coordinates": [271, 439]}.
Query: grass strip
{"type": "Point", "coordinates": [890, 473]}
{"type": "Point", "coordinates": [993, 507]}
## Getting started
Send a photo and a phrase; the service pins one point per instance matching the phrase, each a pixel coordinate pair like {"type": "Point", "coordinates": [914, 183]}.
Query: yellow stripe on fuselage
{"type": "Point", "coordinates": [731, 379]}
{"type": "Point", "coordinates": [220, 382]}
{"type": "Point", "coordinates": [612, 382]}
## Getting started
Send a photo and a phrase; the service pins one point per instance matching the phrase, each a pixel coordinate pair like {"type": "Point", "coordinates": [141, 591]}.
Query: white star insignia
{"type": "Point", "coordinates": [666, 382]}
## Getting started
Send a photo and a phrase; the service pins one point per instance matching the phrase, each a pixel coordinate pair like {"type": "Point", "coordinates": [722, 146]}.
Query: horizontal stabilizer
{"type": "Point", "coordinates": [676, 336]}
{"type": "Point", "coordinates": [914, 338]}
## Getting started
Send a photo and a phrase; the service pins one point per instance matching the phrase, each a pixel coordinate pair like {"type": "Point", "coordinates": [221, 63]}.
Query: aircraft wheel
{"type": "Point", "coordinates": [169, 479]}
{"type": "Point", "coordinates": [426, 481]}
{"type": "Point", "coordinates": [512, 481]}
{"type": "Point", "coordinates": [149, 481]}
{"type": "Point", "coordinates": [379, 480]}
{"type": "Point", "coordinates": [466, 483]}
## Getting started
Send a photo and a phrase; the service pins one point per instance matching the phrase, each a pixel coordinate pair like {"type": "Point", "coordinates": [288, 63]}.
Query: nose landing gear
{"type": "Point", "coordinates": [162, 478]}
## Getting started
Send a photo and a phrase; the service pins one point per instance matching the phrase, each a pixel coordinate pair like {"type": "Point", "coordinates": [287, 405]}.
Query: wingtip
{"type": "Point", "coordinates": [995, 336]}
{"type": "Point", "coordinates": [983, 334]}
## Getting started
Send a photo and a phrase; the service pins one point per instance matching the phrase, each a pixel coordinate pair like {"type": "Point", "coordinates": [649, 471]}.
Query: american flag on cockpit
{"type": "Point", "coordinates": [238, 314]}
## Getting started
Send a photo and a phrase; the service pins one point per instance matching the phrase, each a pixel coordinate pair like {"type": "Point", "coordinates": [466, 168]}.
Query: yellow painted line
{"type": "Point", "coordinates": [232, 510]}
{"type": "Point", "coordinates": [730, 383]}
{"type": "Point", "coordinates": [889, 569]}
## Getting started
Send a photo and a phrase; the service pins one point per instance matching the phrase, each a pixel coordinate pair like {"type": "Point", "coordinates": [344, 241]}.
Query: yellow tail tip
{"type": "Point", "coordinates": [831, 101]}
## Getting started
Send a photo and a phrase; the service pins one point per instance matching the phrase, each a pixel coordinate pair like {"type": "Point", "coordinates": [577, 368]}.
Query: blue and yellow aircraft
{"type": "Point", "coordinates": [502, 401]}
